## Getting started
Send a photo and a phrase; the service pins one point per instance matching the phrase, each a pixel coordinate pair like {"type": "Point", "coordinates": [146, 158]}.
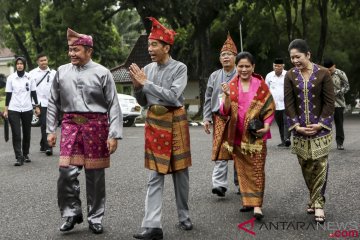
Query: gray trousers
{"type": "Point", "coordinates": [69, 193]}
{"type": "Point", "coordinates": [220, 175]}
{"type": "Point", "coordinates": [153, 200]}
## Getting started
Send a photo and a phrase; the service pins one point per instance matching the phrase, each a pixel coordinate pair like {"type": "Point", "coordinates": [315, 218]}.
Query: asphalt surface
{"type": "Point", "coordinates": [28, 201]}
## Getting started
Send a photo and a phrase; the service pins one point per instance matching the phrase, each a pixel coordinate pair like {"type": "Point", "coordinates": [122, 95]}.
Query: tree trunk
{"type": "Point", "coordinates": [304, 19]}
{"type": "Point", "coordinates": [287, 8]}
{"type": "Point", "coordinates": [19, 41]}
{"type": "Point", "coordinates": [322, 6]}
{"type": "Point", "coordinates": [203, 68]}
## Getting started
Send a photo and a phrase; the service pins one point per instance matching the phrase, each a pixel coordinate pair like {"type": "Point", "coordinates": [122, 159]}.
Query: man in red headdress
{"type": "Point", "coordinates": [92, 122]}
{"type": "Point", "coordinates": [160, 86]}
{"type": "Point", "coordinates": [211, 113]}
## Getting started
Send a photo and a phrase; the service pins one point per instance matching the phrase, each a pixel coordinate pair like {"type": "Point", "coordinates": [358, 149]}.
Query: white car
{"type": "Point", "coordinates": [130, 109]}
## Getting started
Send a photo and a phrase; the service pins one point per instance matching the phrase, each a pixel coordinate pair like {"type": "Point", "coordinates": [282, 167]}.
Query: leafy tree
{"type": "Point", "coordinates": [40, 25]}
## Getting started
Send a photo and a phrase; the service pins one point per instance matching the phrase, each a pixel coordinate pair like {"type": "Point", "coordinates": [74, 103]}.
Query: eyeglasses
{"type": "Point", "coordinates": [27, 86]}
{"type": "Point", "coordinates": [226, 54]}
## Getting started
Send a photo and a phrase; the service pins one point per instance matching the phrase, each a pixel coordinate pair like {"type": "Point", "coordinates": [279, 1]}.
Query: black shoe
{"type": "Point", "coordinates": [287, 143]}
{"type": "Point", "coordinates": [281, 145]}
{"type": "Point", "coordinates": [96, 228]}
{"type": "Point", "coordinates": [150, 234]}
{"type": "Point", "coordinates": [27, 159]}
{"type": "Point", "coordinates": [19, 161]}
{"type": "Point", "coordinates": [220, 191]}
{"type": "Point", "coordinates": [340, 147]}
{"type": "Point", "coordinates": [186, 225]}
{"type": "Point", "coordinates": [70, 223]}
{"type": "Point", "coordinates": [42, 149]}
{"type": "Point", "coordinates": [246, 209]}
{"type": "Point", "coordinates": [258, 216]}
{"type": "Point", "coordinates": [49, 152]}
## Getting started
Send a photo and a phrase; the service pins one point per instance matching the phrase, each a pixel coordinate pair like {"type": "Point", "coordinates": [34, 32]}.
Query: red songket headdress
{"type": "Point", "coordinates": [159, 32]}
{"type": "Point", "coordinates": [229, 45]}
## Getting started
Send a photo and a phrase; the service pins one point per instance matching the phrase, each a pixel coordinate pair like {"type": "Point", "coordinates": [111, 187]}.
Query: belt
{"type": "Point", "coordinates": [161, 110]}
{"type": "Point", "coordinates": [78, 119]}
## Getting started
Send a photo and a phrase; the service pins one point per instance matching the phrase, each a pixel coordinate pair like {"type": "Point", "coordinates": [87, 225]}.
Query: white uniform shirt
{"type": "Point", "coordinates": [21, 88]}
{"type": "Point", "coordinates": [276, 86]}
{"type": "Point", "coordinates": [43, 89]}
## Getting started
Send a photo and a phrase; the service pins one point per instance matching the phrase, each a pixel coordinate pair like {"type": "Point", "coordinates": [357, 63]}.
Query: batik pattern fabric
{"type": "Point", "coordinates": [319, 145]}
{"type": "Point", "coordinates": [84, 140]}
{"type": "Point", "coordinates": [167, 141]}
{"type": "Point", "coordinates": [251, 175]}
{"type": "Point", "coordinates": [315, 173]}
{"type": "Point", "coordinates": [219, 152]}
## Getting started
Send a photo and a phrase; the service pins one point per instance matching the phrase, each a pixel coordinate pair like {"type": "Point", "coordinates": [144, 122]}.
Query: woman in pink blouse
{"type": "Point", "coordinates": [247, 97]}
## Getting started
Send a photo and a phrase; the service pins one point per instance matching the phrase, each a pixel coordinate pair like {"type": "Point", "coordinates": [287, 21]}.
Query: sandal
{"type": "Point", "coordinates": [310, 210]}
{"type": "Point", "coordinates": [319, 218]}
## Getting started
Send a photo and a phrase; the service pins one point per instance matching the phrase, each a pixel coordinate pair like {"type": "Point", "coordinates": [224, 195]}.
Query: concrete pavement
{"type": "Point", "coordinates": [29, 210]}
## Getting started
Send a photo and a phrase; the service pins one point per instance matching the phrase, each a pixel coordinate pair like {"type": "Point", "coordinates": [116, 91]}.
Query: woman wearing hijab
{"type": "Point", "coordinates": [20, 88]}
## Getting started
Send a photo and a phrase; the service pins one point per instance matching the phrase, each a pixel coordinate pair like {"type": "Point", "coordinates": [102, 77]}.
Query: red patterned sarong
{"type": "Point", "coordinates": [251, 175]}
{"type": "Point", "coordinates": [219, 152]}
{"type": "Point", "coordinates": [167, 141]}
{"type": "Point", "coordinates": [84, 140]}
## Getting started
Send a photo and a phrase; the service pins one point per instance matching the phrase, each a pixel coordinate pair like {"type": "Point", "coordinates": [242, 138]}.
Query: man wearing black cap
{"type": "Point", "coordinates": [275, 81]}
{"type": "Point", "coordinates": [341, 86]}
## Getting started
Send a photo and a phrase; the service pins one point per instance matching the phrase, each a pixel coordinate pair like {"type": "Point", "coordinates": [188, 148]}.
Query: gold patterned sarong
{"type": "Point", "coordinates": [167, 141]}
{"type": "Point", "coordinates": [219, 152]}
{"type": "Point", "coordinates": [251, 175]}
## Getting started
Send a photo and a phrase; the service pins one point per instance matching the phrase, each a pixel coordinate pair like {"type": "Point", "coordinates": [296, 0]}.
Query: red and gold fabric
{"type": "Point", "coordinates": [167, 140]}
{"type": "Point", "coordinates": [229, 45]}
{"type": "Point", "coordinates": [84, 140]}
{"type": "Point", "coordinates": [159, 32]}
{"type": "Point", "coordinates": [219, 152]}
{"type": "Point", "coordinates": [262, 105]}
{"type": "Point", "coordinates": [251, 175]}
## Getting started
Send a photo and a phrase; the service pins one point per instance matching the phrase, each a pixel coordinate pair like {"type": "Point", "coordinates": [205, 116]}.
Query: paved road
{"type": "Point", "coordinates": [29, 207]}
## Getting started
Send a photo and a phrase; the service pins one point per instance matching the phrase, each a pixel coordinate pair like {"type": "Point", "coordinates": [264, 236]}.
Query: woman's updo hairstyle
{"type": "Point", "coordinates": [245, 55]}
{"type": "Point", "coordinates": [300, 45]}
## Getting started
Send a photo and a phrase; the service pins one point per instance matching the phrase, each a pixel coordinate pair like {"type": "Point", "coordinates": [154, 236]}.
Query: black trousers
{"type": "Point", "coordinates": [339, 125]}
{"type": "Point", "coordinates": [280, 119]}
{"type": "Point", "coordinates": [43, 142]}
{"type": "Point", "coordinates": [16, 120]}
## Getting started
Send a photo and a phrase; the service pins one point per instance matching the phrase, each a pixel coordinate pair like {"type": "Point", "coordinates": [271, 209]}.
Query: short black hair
{"type": "Point", "coordinates": [278, 61]}
{"type": "Point", "coordinates": [245, 55]}
{"type": "Point", "coordinates": [164, 44]}
{"type": "Point", "coordinates": [328, 63]}
{"type": "Point", "coordinates": [299, 44]}
{"type": "Point", "coordinates": [40, 55]}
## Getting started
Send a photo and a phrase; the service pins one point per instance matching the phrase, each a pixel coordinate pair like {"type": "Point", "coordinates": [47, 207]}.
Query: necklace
{"type": "Point", "coordinates": [307, 73]}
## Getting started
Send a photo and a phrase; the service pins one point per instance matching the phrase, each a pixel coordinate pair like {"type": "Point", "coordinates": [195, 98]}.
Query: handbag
{"type": "Point", "coordinates": [254, 125]}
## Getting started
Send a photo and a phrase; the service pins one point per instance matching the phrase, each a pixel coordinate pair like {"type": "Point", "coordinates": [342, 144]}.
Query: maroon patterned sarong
{"type": "Point", "coordinates": [84, 140]}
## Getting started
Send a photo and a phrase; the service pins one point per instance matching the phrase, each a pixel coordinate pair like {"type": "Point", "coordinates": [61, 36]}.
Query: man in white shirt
{"type": "Point", "coordinates": [43, 77]}
{"type": "Point", "coordinates": [275, 81]}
